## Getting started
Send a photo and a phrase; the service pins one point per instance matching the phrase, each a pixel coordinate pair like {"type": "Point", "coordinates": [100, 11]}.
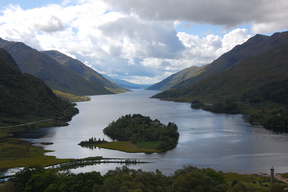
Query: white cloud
{"type": "Point", "coordinates": [200, 51]}
{"type": "Point", "coordinates": [136, 40]}
{"type": "Point", "coordinates": [228, 13]}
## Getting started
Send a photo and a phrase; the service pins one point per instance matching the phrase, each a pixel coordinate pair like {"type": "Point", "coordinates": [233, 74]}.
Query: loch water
{"type": "Point", "coordinates": [220, 141]}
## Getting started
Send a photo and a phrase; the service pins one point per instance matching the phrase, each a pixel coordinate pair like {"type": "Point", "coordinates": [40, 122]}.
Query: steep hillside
{"type": "Point", "coordinates": [253, 47]}
{"type": "Point", "coordinates": [82, 69]}
{"type": "Point", "coordinates": [55, 75]}
{"type": "Point", "coordinates": [255, 85]}
{"type": "Point", "coordinates": [24, 98]}
{"type": "Point", "coordinates": [249, 74]}
{"type": "Point", "coordinates": [176, 78]}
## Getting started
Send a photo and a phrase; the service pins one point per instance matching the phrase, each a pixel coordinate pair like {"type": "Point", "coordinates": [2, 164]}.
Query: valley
{"type": "Point", "coordinates": [245, 88]}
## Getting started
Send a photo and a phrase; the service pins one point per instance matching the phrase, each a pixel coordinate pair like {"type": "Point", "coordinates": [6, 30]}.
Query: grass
{"type": "Point", "coordinates": [251, 181]}
{"type": "Point", "coordinates": [148, 145]}
{"type": "Point", "coordinates": [126, 147]}
{"type": "Point", "coordinates": [70, 97]}
{"type": "Point", "coordinates": [18, 153]}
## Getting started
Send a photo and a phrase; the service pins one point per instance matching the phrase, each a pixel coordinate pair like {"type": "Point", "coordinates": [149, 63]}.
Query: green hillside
{"type": "Point", "coordinates": [55, 75]}
{"type": "Point", "coordinates": [253, 47]}
{"type": "Point", "coordinates": [176, 78]}
{"type": "Point", "coordinates": [246, 84]}
{"type": "Point", "coordinates": [25, 98]}
{"type": "Point", "coordinates": [80, 68]}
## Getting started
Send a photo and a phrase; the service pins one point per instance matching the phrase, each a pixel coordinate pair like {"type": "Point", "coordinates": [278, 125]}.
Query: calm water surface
{"type": "Point", "coordinates": [220, 141]}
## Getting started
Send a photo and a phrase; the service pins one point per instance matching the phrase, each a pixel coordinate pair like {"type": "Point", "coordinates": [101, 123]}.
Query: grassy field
{"type": "Point", "coordinates": [18, 153]}
{"type": "Point", "coordinates": [253, 182]}
{"type": "Point", "coordinates": [70, 97]}
{"type": "Point", "coordinates": [126, 147]}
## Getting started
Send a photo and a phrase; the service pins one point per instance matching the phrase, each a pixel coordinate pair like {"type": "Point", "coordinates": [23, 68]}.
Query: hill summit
{"type": "Point", "coordinates": [26, 98]}
{"type": "Point", "coordinates": [69, 76]}
{"type": "Point", "coordinates": [253, 75]}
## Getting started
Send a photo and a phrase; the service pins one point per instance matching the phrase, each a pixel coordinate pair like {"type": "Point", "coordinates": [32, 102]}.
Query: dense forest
{"type": "Point", "coordinates": [141, 129]}
{"type": "Point", "coordinates": [38, 179]}
{"type": "Point", "coordinates": [267, 106]}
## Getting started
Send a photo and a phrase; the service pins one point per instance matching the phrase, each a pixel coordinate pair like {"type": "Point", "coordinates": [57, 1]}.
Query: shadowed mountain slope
{"type": "Point", "coordinates": [80, 68]}
{"type": "Point", "coordinates": [55, 75]}
{"type": "Point", "coordinates": [24, 97]}
{"type": "Point", "coordinates": [256, 63]}
{"type": "Point", "coordinates": [253, 47]}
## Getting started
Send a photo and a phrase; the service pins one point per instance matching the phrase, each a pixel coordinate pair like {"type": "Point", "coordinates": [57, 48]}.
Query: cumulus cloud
{"type": "Point", "coordinates": [228, 13]}
{"type": "Point", "coordinates": [204, 50]}
{"type": "Point", "coordinates": [137, 40]}
{"type": "Point", "coordinates": [140, 38]}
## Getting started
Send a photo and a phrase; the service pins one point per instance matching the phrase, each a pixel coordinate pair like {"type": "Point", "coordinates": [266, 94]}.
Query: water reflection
{"type": "Point", "coordinates": [220, 141]}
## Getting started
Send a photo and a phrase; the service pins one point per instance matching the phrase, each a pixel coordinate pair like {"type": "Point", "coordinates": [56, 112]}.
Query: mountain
{"type": "Point", "coordinates": [253, 47]}
{"type": "Point", "coordinates": [126, 84]}
{"type": "Point", "coordinates": [176, 78]}
{"type": "Point", "coordinates": [55, 75]}
{"type": "Point", "coordinates": [254, 82]}
{"type": "Point", "coordinates": [25, 98]}
{"type": "Point", "coordinates": [82, 69]}
{"type": "Point", "coordinates": [258, 62]}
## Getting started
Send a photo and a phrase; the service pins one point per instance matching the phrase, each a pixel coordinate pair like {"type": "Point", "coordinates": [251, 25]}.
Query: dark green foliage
{"type": "Point", "coordinates": [138, 128]}
{"type": "Point", "coordinates": [194, 179]}
{"type": "Point", "coordinates": [275, 91]}
{"type": "Point", "coordinates": [278, 187]}
{"type": "Point", "coordinates": [26, 97]}
{"type": "Point", "coordinates": [92, 140]}
{"type": "Point", "coordinates": [196, 104]}
{"type": "Point", "coordinates": [37, 179]}
{"type": "Point", "coordinates": [225, 107]}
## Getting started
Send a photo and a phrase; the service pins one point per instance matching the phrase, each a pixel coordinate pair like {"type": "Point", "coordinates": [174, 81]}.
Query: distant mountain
{"type": "Point", "coordinates": [176, 78]}
{"type": "Point", "coordinates": [25, 98]}
{"type": "Point", "coordinates": [55, 75]}
{"type": "Point", "coordinates": [82, 69]}
{"type": "Point", "coordinates": [256, 63]}
{"type": "Point", "coordinates": [127, 84]}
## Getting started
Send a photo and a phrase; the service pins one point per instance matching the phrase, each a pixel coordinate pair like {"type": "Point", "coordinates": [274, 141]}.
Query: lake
{"type": "Point", "coordinates": [220, 141]}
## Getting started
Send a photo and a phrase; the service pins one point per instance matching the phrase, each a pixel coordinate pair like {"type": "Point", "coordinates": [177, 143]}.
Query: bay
{"type": "Point", "coordinates": [220, 141]}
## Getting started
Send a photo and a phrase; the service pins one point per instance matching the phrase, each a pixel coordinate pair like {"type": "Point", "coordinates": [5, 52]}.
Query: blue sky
{"type": "Point", "coordinates": [142, 41]}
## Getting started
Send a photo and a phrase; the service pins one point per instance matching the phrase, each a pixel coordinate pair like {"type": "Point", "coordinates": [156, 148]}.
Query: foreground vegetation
{"type": "Point", "coordinates": [38, 179]}
{"type": "Point", "coordinates": [142, 131]}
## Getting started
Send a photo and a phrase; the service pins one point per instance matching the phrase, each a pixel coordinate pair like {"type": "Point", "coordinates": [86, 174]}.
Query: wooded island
{"type": "Point", "coordinates": [138, 133]}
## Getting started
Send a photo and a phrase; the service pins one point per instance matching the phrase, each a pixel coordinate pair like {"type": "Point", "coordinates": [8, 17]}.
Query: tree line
{"type": "Point", "coordinates": [188, 179]}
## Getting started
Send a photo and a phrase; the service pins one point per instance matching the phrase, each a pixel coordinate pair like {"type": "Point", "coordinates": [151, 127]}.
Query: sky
{"type": "Point", "coordinates": [142, 41]}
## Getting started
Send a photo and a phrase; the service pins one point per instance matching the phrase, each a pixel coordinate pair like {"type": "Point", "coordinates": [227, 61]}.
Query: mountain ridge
{"type": "Point", "coordinates": [55, 75]}
{"type": "Point", "coordinates": [255, 86]}
{"type": "Point", "coordinates": [24, 97]}
{"type": "Point", "coordinates": [175, 78]}
{"type": "Point", "coordinates": [253, 46]}
{"type": "Point", "coordinates": [80, 68]}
